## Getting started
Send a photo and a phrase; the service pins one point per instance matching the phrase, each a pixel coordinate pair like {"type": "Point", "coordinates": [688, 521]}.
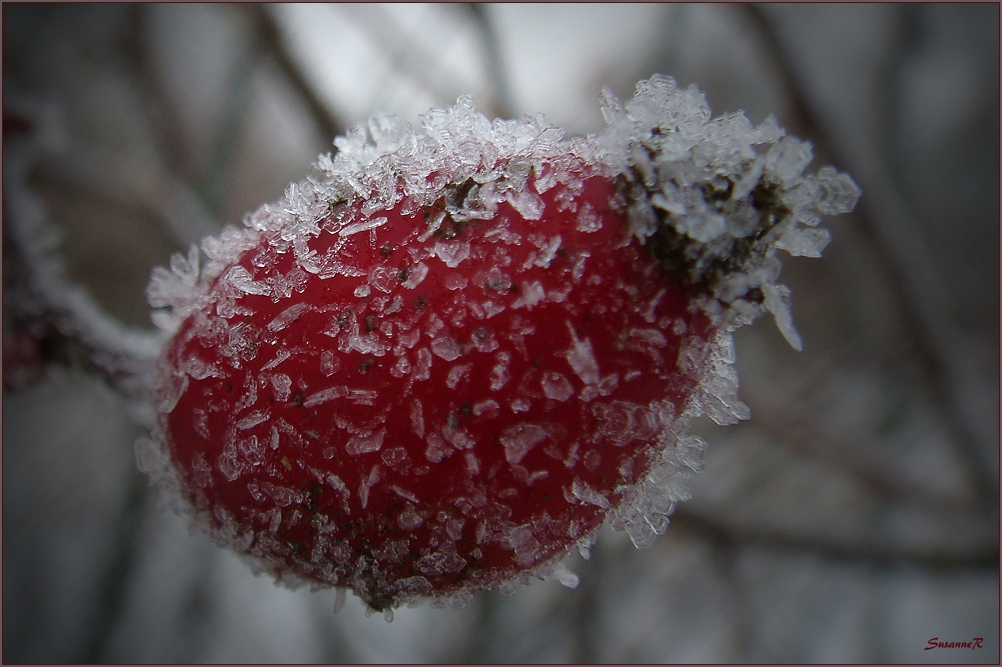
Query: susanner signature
{"type": "Point", "coordinates": [972, 644]}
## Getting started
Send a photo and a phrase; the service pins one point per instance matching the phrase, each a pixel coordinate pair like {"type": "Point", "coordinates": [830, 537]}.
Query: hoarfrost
{"type": "Point", "coordinates": [281, 356]}
{"type": "Point", "coordinates": [241, 279]}
{"type": "Point", "coordinates": [529, 205]}
{"type": "Point", "coordinates": [383, 278]}
{"type": "Point", "coordinates": [453, 253]}
{"type": "Point", "coordinates": [455, 281]}
{"type": "Point", "coordinates": [410, 520]}
{"type": "Point", "coordinates": [253, 419]}
{"type": "Point", "coordinates": [500, 375]}
{"type": "Point", "coordinates": [531, 294]}
{"type": "Point", "coordinates": [521, 405]}
{"type": "Point", "coordinates": [329, 364]}
{"type": "Point", "coordinates": [325, 396]}
{"type": "Point", "coordinates": [447, 348]}
{"type": "Point", "coordinates": [566, 578]}
{"type": "Point", "coordinates": [777, 302]}
{"type": "Point", "coordinates": [519, 439]}
{"type": "Point", "coordinates": [556, 386]}
{"type": "Point", "coordinates": [457, 374]}
{"type": "Point", "coordinates": [440, 563]}
{"type": "Point", "coordinates": [581, 357]}
{"type": "Point", "coordinates": [588, 220]}
{"type": "Point", "coordinates": [437, 449]}
{"type": "Point", "coordinates": [288, 316]}
{"type": "Point", "coordinates": [362, 226]}
{"type": "Point", "coordinates": [415, 275]}
{"type": "Point", "coordinates": [548, 251]}
{"type": "Point", "coordinates": [423, 369]}
{"type": "Point", "coordinates": [199, 369]}
{"type": "Point", "coordinates": [489, 407]}
{"type": "Point", "coordinates": [365, 444]}
{"type": "Point", "coordinates": [417, 418]}
{"type": "Point", "coordinates": [587, 494]}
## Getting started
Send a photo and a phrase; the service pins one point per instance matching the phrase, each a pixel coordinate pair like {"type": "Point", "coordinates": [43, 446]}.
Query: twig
{"type": "Point", "coordinates": [502, 98]}
{"type": "Point", "coordinates": [46, 303]}
{"type": "Point", "coordinates": [275, 45]}
{"type": "Point", "coordinates": [105, 613]}
{"type": "Point", "coordinates": [720, 532]}
{"type": "Point", "coordinates": [405, 56]}
{"type": "Point", "coordinates": [789, 428]}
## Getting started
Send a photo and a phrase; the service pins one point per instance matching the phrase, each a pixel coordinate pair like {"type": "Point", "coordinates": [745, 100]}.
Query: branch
{"type": "Point", "coordinates": [502, 103]}
{"type": "Point", "coordinates": [275, 45]}
{"type": "Point", "coordinates": [721, 533]}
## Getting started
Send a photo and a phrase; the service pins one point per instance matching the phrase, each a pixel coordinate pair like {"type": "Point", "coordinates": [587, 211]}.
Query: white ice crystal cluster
{"type": "Point", "coordinates": [713, 199]}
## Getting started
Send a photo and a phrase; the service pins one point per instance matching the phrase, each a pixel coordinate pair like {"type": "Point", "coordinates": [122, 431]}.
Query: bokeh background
{"type": "Point", "coordinates": [852, 519]}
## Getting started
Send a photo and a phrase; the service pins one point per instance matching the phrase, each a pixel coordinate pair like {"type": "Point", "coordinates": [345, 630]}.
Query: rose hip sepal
{"type": "Point", "coordinates": [446, 360]}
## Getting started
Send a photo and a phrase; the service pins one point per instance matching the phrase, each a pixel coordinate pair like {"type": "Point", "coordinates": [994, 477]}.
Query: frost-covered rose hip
{"type": "Point", "coordinates": [445, 360]}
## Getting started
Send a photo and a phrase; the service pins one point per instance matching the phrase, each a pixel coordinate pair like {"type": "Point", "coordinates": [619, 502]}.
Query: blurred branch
{"type": "Point", "coordinates": [584, 606]}
{"type": "Point", "coordinates": [889, 225]}
{"type": "Point", "coordinates": [179, 205]}
{"type": "Point", "coordinates": [502, 98]}
{"type": "Point", "coordinates": [879, 555]}
{"type": "Point", "coordinates": [334, 641]}
{"type": "Point", "coordinates": [105, 613]}
{"type": "Point", "coordinates": [478, 645]}
{"type": "Point", "coordinates": [159, 110]}
{"type": "Point", "coordinates": [274, 44]}
{"type": "Point", "coordinates": [405, 55]}
{"type": "Point", "coordinates": [788, 427]}
{"type": "Point", "coordinates": [724, 563]}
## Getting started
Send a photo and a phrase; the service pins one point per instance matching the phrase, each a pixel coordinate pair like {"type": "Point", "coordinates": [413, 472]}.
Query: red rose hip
{"type": "Point", "coordinates": [446, 360]}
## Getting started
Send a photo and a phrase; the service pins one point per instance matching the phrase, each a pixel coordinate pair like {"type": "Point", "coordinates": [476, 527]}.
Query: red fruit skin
{"type": "Point", "coordinates": [406, 484]}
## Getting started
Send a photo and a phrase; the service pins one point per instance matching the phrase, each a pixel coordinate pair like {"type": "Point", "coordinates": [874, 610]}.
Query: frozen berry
{"type": "Point", "coordinates": [446, 359]}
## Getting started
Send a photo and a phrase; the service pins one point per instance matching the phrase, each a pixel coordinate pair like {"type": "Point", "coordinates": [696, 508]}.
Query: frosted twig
{"type": "Point", "coordinates": [46, 299]}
